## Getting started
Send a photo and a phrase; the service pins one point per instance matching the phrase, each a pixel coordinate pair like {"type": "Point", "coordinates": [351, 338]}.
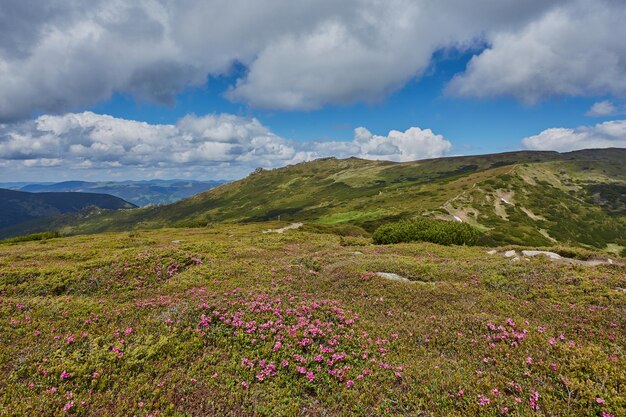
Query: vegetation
{"type": "Point", "coordinates": [18, 208]}
{"type": "Point", "coordinates": [427, 230]}
{"type": "Point", "coordinates": [227, 320]}
{"type": "Point", "coordinates": [516, 198]}
{"type": "Point", "coordinates": [34, 236]}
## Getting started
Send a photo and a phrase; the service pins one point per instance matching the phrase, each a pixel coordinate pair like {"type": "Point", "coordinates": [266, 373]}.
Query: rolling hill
{"type": "Point", "coordinates": [140, 193]}
{"type": "Point", "coordinates": [527, 198]}
{"type": "Point", "coordinates": [19, 207]}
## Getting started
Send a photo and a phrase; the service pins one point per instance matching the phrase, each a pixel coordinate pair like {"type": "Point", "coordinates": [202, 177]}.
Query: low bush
{"type": "Point", "coordinates": [427, 230]}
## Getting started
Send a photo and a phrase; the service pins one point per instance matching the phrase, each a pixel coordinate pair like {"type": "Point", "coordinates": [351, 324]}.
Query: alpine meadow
{"type": "Point", "coordinates": [313, 209]}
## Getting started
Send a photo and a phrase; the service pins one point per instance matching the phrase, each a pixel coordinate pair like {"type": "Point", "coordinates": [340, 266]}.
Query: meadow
{"type": "Point", "coordinates": [227, 320]}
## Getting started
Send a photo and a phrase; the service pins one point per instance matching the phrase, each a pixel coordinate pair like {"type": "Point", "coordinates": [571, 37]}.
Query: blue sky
{"type": "Point", "coordinates": [212, 89]}
{"type": "Point", "coordinates": [475, 125]}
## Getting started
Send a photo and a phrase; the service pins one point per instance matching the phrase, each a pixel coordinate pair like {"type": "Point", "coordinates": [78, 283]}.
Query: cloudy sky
{"type": "Point", "coordinates": [207, 89]}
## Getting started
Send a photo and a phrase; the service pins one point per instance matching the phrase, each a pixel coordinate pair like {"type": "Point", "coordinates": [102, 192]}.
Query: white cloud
{"type": "Point", "coordinates": [410, 145]}
{"type": "Point", "coordinates": [59, 56]}
{"type": "Point", "coordinates": [602, 108]}
{"type": "Point", "coordinates": [575, 49]}
{"type": "Point", "coordinates": [604, 135]}
{"type": "Point", "coordinates": [221, 145]}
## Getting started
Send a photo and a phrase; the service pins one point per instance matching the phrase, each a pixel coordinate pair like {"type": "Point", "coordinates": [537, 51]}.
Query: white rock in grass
{"type": "Point", "coordinates": [392, 277]}
{"type": "Point", "coordinates": [550, 255]}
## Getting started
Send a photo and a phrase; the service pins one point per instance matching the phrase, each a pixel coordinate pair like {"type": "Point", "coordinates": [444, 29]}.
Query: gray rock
{"type": "Point", "coordinates": [392, 277]}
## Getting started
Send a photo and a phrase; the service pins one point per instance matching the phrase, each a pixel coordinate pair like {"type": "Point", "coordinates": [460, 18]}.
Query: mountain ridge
{"type": "Point", "coordinates": [527, 197]}
{"type": "Point", "coordinates": [18, 207]}
{"type": "Point", "coordinates": [140, 193]}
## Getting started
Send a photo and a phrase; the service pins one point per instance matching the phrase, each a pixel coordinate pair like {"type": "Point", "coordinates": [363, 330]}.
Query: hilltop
{"type": "Point", "coordinates": [528, 198]}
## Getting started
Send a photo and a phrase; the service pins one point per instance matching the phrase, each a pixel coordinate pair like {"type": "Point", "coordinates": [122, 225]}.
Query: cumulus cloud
{"type": "Point", "coordinates": [58, 56]}
{"type": "Point", "coordinates": [574, 49]}
{"type": "Point", "coordinates": [215, 145]}
{"type": "Point", "coordinates": [604, 135]}
{"type": "Point", "coordinates": [602, 108]}
{"type": "Point", "coordinates": [410, 145]}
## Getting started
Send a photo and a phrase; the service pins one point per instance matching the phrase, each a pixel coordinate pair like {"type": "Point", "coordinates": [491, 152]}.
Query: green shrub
{"type": "Point", "coordinates": [427, 230]}
{"type": "Point", "coordinates": [34, 236]}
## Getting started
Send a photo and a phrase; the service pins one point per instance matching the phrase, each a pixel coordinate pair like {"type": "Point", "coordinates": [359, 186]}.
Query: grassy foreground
{"type": "Point", "coordinates": [232, 321]}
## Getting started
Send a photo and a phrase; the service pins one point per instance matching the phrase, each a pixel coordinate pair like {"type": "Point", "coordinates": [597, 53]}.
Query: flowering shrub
{"type": "Point", "coordinates": [261, 324]}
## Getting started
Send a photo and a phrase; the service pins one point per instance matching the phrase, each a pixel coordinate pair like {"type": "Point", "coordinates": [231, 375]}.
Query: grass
{"type": "Point", "coordinates": [352, 216]}
{"type": "Point", "coordinates": [33, 236]}
{"type": "Point", "coordinates": [572, 199]}
{"type": "Point", "coordinates": [227, 320]}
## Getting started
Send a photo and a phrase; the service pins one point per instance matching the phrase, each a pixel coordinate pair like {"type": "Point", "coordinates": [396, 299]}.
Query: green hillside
{"type": "Point", "coordinates": [528, 198]}
{"type": "Point", "coordinates": [18, 207]}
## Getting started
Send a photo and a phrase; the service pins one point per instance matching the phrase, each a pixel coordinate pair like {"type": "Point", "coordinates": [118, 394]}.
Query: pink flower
{"type": "Point", "coordinates": [534, 400]}
{"type": "Point", "coordinates": [553, 366]}
{"type": "Point", "coordinates": [460, 393]}
{"type": "Point", "coordinates": [68, 405]}
{"type": "Point", "coordinates": [482, 400]}
{"type": "Point", "coordinates": [65, 375]}
{"type": "Point", "coordinates": [349, 383]}
{"type": "Point", "coordinates": [599, 400]}
{"type": "Point", "coordinates": [529, 361]}
{"type": "Point", "coordinates": [504, 410]}
{"type": "Point", "coordinates": [128, 331]}
{"type": "Point", "coordinates": [245, 384]}
{"type": "Point", "coordinates": [310, 376]}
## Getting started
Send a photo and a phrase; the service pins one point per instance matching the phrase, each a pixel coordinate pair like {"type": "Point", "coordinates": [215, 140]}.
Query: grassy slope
{"type": "Point", "coordinates": [552, 197]}
{"type": "Point", "coordinates": [131, 336]}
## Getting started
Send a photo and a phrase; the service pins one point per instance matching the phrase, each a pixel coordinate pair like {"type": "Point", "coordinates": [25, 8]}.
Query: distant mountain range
{"type": "Point", "coordinates": [19, 207]}
{"type": "Point", "coordinates": [526, 198]}
{"type": "Point", "coordinates": [140, 193]}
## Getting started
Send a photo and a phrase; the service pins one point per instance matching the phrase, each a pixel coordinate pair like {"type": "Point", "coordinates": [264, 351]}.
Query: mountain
{"type": "Point", "coordinates": [140, 193]}
{"type": "Point", "coordinates": [19, 208]}
{"type": "Point", "coordinates": [528, 198]}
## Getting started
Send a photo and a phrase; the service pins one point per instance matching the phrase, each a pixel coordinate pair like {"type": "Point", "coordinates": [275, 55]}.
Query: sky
{"type": "Point", "coordinates": [212, 89]}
